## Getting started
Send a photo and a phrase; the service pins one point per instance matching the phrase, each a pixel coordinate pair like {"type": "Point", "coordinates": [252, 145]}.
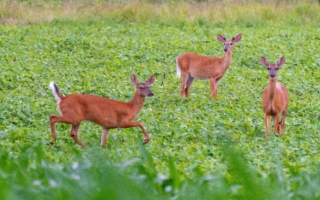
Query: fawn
{"type": "Point", "coordinates": [275, 98]}
{"type": "Point", "coordinates": [105, 112]}
{"type": "Point", "coordinates": [190, 66]}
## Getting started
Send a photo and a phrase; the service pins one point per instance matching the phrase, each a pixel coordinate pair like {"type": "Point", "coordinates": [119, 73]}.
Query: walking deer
{"type": "Point", "coordinates": [107, 113]}
{"type": "Point", "coordinates": [275, 98]}
{"type": "Point", "coordinates": [190, 66]}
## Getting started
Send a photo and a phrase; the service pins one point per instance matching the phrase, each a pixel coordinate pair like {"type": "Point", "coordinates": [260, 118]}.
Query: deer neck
{"type": "Point", "coordinates": [272, 88]}
{"type": "Point", "coordinates": [136, 103]}
{"type": "Point", "coordinates": [227, 60]}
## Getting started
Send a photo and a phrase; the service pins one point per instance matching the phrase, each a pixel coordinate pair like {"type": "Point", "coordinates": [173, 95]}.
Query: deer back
{"type": "Point", "coordinates": [202, 67]}
{"type": "Point", "coordinates": [103, 111]}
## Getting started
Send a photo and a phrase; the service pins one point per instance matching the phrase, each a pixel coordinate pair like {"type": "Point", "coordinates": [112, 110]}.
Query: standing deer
{"type": "Point", "coordinates": [190, 66]}
{"type": "Point", "coordinates": [107, 113]}
{"type": "Point", "coordinates": [275, 98]}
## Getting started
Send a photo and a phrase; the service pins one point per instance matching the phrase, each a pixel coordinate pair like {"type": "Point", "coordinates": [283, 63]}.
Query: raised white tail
{"type": "Point", "coordinates": [55, 91]}
{"type": "Point", "coordinates": [178, 68]}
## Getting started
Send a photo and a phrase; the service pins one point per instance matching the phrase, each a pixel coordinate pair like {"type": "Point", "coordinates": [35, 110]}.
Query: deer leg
{"type": "Point", "coordinates": [53, 120]}
{"type": "Point", "coordinates": [74, 135]}
{"type": "Point", "coordinates": [276, 124]}
{"type": "Point", "coordinates": [267, 122]}
{"type": "Point", "coordinates": [214, 87]}
{"type": "Point", "coordinates": [104, 136]}
{"type": "Point", "coordinates": [188, 84]}
{"type": "Point", "coordinates": [274, 127]}
{"type": "Point", "coordinates": [282, 122]}
{"type": "Point", "coordinates": [63, 119]}
{"type": "Point", "coordinates": [53, 132]}
{"type": "Point", "coordinates": [134, 124]}
{"type": "Point", "coordinates": [183, 83]}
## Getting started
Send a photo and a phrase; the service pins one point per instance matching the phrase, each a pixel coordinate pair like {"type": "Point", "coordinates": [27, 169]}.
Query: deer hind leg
{"type": "Point", "coordinates": [188, 84]}
{"type": "Point", "coordinates": [64, 119]}
{"type": "Point", "coordinates": [183, 84]}
{"type": "Point", "coordinates": [53, 132]}
{"type": "Point", "coordinates": [214, 87]}
{"type": "Point", "coordinates": [54, 119]}
{"type": "Point", "coordinates": [267, 123]}
{"type": "Point", "coordinates": [104, 137]}
{"type": "Point", "coordinates": [74, 134]}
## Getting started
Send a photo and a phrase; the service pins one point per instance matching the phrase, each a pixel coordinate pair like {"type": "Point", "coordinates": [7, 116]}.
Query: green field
{"type": "Point", "coordinates": [199, 148]}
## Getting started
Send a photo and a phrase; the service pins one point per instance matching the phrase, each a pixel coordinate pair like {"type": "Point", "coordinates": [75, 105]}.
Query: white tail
{"type": "Point", "coordinates": [178, 68]}
{"type": "Point", "coordinates": [105, 112]}
{"type": "Point", "coordinates": [193, 66]}
{"type": "Point", "coordinates": [55, 91]}
{"type": "Point", "coordinates": [275, 98]}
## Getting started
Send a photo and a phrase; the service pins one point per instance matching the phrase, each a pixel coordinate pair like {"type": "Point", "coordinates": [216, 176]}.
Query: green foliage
{"type": "Point", "coordinates": [30, 176]}
{"type": "Point", "coordinates": [199, 148]}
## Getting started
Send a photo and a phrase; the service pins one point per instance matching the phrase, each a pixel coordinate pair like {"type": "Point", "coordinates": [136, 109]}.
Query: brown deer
{"type": "Point", "coordinates": [107, 113]}
{"type": "Point", "coordinates": [275, 98]}
{"type": "Point", "coordinates": [190, 66]}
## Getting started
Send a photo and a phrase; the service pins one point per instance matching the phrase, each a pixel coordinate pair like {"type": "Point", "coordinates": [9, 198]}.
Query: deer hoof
{"type": "Point", "coordinates": [145, 141]}
{"type": "Point", "coordinates": [50, 143]}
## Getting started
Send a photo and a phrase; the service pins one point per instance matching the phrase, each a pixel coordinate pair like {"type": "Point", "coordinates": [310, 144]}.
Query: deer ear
{"type": "Point", "coordinates": [281, 61]}
{"type": "Point", "coordinates": [134, 79]}
{"type": "Point", "coordinates": [220, 38]}
{"type": "Point", "coordinates": [237, 38]}
{"type": "Point", "coordinates": [150, 80]}
{"type": "Point", "coordinates": [264, 61]}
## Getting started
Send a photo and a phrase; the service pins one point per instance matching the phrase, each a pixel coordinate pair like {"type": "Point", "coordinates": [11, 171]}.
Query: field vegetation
{"type": "Point", "coordinates": [199, 148]}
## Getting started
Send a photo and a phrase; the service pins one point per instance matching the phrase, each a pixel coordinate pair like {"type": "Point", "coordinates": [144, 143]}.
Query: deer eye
{"type": "Point", "coordinates": [277, 68]}
{"type": "Point", "coordinates": [268, 68]}
{"type": "Point", "coordinates": [141, 88]}
{"type": "Point", "coordinates": [231, 43]}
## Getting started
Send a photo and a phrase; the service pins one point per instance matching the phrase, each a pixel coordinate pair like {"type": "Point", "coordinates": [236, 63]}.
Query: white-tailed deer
{"type": "Point", "coordinates": [190, 66]}
{"type": "Point", "coordinates": [107, 113]}
{"type": "Point", "coordinates": [275, 98]}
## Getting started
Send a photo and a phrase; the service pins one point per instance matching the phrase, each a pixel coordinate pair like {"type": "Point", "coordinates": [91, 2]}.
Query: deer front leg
{"type": "Point", "coordinates": [214, 87]}
{"type": "Point", "coordinates": [134, 124]}
{"type": "Point", "coordinates": [282, 122]}
{"type": "Point", "coordinates": [267, 123]}
{"type": "Point", "coordinates": [276, 124]}
{"type": "Point", "coordinates": [104, 137]}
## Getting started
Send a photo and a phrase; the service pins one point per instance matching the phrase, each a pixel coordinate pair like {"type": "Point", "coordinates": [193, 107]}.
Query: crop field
{"type": "Point", "coordinates": [199, 148]}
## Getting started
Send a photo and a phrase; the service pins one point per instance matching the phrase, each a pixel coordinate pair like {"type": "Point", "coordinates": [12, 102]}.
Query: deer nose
{"type": "Point", "coordinates": [150, 94]}
{"type": "Point", "coordinates": [225, 49]}
{"type": "Point", "coordinates": [272, 75]}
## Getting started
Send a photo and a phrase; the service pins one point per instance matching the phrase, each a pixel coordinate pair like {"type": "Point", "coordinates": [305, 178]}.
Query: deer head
{"type": "Point", "coordinates": [272, 68]}
{"type": "Point", "coordinates": [228, 44]}
{"type": "Point", "coordinates": [143, 88]}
